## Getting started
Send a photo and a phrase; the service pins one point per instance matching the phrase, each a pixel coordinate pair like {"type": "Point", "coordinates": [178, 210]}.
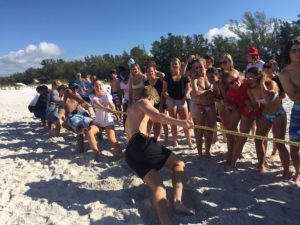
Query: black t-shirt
{"type": "Point", "coordinates": [276, 79]}
{"type": "Point", "coordinates": [158, 86]}
{"type": "Point", "coordinates": [176, 89]}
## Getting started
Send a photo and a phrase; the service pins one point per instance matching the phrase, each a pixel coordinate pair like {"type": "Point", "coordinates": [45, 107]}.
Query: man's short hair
{"type": "Point", "coordinates": [150, 91]}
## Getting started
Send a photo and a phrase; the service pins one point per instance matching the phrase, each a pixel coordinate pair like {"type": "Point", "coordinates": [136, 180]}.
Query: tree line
{"type": "Point", "coordinates": [254, 29]}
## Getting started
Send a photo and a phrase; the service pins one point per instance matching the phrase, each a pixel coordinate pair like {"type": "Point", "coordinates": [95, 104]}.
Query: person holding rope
{"type": "Point", "coordinates": [290, 80]}
{"type": "Point", "coordinates": [104, 107]}
{"type": "Point", "coordinates": [76, 117]}
{"type": "Point", "coordinates": [146, 156]}
{"type": "Point", "coordinates": [266, 92]}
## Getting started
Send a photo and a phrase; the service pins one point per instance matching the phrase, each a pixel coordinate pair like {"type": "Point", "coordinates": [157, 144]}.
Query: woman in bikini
{"type": "Point", "coordinates": [157, 83]}
{"type": "Point", "coordinates": [176, 89]}
{"type": "Point", "coordinates": [269, 69]}
{"type": "Point", "coordinates": [213, 78]}
{"type": "Point", "coordinates": [229, 114]}
{"type": "Point", "coordinates": [266, 92]}
{"type": "Point", "coordinates": [136, 83]}
{"type": "Point", "coordinates": [202, 105]}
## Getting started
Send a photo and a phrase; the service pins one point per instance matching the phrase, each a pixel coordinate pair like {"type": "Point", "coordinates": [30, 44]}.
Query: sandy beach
{"type": "Point", "coordinates": [45, 180]}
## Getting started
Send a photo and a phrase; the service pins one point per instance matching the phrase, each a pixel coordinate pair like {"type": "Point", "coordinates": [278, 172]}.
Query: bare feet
{"type": "Point", "coordinates": [272, 158]}
{"type": "Point", "coordinates": [97, 156]}
{"type": "Point", "coordinates": [182, 209]}
{"type": "Point", "coordinates": [119, 154]}
{"type": "Point", "coordinates": [287, 175]}
{"type": "Point", "coordinates": [208, 154]}
{"type": "Point", "coordinates": [175, 144]}
{"type": "Point", "coordinates": [258, 170]}
{"type": "Point", "coordinates": [297, 178]}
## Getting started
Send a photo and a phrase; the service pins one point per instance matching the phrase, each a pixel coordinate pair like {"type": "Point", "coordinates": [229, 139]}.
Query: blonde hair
{"type": "Point", "coordinates": [56, 83]}
{"type": "Point", "coordinates": [229, 58]}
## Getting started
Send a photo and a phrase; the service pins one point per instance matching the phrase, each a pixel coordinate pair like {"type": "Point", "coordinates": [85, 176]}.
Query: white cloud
{"type": "Point", "coordinates": [223, 31]}
{"type": "Point", "coordinates": [19, 61]}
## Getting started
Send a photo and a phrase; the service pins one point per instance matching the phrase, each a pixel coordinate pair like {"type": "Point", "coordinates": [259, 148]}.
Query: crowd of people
{"type": "Point", "coordinates": [193, 92]}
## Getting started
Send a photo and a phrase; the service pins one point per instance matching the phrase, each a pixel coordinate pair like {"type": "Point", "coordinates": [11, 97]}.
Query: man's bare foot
{"type": "Point", "coordinates": [182, 209]}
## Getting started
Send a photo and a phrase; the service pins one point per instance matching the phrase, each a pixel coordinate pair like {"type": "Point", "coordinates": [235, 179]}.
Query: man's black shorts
{"type": "Point", "coordinates": [143, 154]}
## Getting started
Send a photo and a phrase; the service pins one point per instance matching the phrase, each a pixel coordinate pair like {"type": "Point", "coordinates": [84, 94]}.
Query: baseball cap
{"type": "Point", "coordinates": [130, 62]}
{"type": "Point", "coordinates": [73, 85]}
{"type": "Point", "coordinates": [252, 51]}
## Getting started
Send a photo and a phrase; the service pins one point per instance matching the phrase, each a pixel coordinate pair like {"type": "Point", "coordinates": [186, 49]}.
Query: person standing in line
{"type": "Point", "coordinates": [290, 80]}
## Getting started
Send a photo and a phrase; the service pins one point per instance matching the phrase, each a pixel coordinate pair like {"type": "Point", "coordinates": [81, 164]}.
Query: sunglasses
{"type": "Point", "coordinates": [267, 66]}
{"type": "Point", "coordinates": [223, 62]}
{"type": "Point", "coordinates": [234, 81]}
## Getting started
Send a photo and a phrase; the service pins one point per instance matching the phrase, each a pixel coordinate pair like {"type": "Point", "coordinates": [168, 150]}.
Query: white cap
{"type": "Point", "coordinates": [130, 62]}
{"type": "Point", "coordinates": [78, 74]}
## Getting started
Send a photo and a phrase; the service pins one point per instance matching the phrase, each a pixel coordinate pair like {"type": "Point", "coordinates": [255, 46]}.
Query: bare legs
{"type": "Point", "coordinates": [245, 127]}
{"type": "Point", "coordinates": [232, 120]}
{"type": "Point", "coordinates": [159, 198]}
{"type": "Point", "coordinates": [183, 114]}
{"type": "Point", "coordinates": [111, 137]}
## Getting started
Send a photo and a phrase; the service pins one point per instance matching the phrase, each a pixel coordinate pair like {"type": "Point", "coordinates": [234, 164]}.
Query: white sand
{"type": "Point", "coordinates": [46, 181]}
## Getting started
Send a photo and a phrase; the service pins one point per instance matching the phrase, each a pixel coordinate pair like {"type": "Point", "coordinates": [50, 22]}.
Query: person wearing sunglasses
{"type": "Point", "coordinates": [176, 89]}
{"type": "Point", "coordinates": [269, 68]}
{"type": "Point", "coordinates": [264, 91]}
{"type": "Point", "coordinates": [225, 110]}
{"type": "Point", "coordinates": [242, 111]}
{"type": "Point", "coordinates": [203, 109]}
{"type": "Point", "coordinates": [290, 80]}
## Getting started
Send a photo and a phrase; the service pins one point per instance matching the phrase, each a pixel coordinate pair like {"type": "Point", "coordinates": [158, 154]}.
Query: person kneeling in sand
{"type": "Point", "coordinates": [146, 156]}
{"type": "Point", "coordinates": [76, 118]}
{"type": "Point", "coordinates": [104, 107]}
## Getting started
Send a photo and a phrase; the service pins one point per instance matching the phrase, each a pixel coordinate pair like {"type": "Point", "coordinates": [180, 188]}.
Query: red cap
{"type": "Point", "coordinates": [252, 51]}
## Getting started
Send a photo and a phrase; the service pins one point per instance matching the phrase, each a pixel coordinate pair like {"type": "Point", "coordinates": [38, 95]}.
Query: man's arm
{"type": "Point", "coordinates": [289, 88]}
{"type": "Point", "coordinates": [76, 97]}
{"type": "Point", "coordinates": [155, 115]}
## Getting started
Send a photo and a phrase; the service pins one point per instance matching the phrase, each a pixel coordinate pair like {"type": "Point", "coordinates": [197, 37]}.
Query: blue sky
{"type": "Point", "coordinates": [32, 30]}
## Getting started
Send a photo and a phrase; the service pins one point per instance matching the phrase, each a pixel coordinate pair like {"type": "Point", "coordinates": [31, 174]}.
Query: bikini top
{"type": "Point", "coordinates": [262, 101]}
{"type": "Point", "coordinates": [140, 84]}
{"type": "Point", "coordinates": [200, 88]}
